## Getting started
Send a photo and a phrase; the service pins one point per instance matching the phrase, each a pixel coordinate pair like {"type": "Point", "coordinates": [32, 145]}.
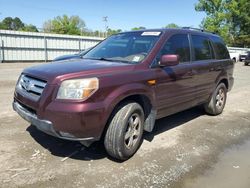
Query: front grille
{"type": "Point", "coordinates": [31, 87]}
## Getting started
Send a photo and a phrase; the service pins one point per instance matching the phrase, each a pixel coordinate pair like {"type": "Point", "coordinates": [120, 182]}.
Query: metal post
{"type": "Point", "coordinates": [45, 50]}
{"type": "Point", "coordinates": [79, 45]}
{"type": "Point", "coordinates": [2, 51]}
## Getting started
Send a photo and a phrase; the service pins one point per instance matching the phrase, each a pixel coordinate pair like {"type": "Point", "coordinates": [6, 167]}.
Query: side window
{"type": "Point", "coordinates": [202, 49]}
{"type": "Point", "coordinates": [179, 45]}
{"type": "Point", "coordinates": [220, 48]}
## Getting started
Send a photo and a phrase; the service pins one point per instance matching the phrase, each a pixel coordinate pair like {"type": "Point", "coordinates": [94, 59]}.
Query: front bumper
{"type": "Point", "coordinates": [44, 125]}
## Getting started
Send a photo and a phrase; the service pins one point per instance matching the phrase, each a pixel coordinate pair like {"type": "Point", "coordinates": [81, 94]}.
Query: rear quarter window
{"type": "Point", "coordinates": [221, 51]}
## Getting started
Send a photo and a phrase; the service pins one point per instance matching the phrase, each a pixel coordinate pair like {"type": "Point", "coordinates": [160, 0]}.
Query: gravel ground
{"type": "Point", "coordinates": [188, 149]}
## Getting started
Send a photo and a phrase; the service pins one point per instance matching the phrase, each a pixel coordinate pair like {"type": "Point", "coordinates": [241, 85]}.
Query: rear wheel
{"type": "Point", "coordinates": [218, 100]}
{"type": "Point", "coordinates": [246, 63]}
{"type": "Point", "coordinates": [124, 134]}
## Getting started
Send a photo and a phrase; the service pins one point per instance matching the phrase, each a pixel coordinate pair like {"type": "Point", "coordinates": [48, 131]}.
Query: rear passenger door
{"type": "Point", "coordinates": [203, 60]}
{"type": "Point", "coordinates": [175, 89]}
{"type": "Point", "coordinates": [223, 66]}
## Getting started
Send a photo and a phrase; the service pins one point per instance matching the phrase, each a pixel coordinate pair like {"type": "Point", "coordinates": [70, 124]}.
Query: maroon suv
{"type": "Point", "coordinates": [120, 87]}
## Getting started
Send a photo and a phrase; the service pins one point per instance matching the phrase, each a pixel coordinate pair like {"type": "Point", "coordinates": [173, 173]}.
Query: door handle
{"type": "Point", "coordinates": [212, 69]}
{"type": "Point", "coordinates": [190, 73]}
{"type": "Point", "coordinates": [215, 68]}
{"type": "Point", "coordinates": [218, 68]}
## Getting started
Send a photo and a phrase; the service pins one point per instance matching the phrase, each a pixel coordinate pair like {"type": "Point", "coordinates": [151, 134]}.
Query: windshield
{"type": "Point", "coordinates": [132, 47]}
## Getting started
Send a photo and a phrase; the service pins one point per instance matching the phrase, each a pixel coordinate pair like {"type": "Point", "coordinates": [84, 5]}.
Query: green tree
{"type": "Point", "coordinates": [16, 24]}
{"type": "Point", "coordinates": [113, 31]}
{"type": "Point", "coordinates": [10, 23]}
{"type": "Point", "coordinates": [228, 18]}
{"type": "Point", "coordinates": [138, 28]}
{"type": "Point", "coordinates": [72, 25]}
{"type": "Point", "coordinates": [29, 28]}
{"type": "Point", "coordinates": [172, 25]}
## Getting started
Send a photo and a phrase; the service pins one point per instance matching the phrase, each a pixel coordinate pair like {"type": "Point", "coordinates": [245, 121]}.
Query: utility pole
{"type": "Point", "coordinates": [81, 31]}
{"type": "Point", "coordinates": [105, 20]}
{"type": "Point", "coordinates": [50, 26]}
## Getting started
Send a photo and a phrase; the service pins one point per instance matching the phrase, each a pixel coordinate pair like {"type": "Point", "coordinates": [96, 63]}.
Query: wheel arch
{"type": "Point", "coordinates": [143, 100]}
{"type": "Point", "coordinates": [224, 81]}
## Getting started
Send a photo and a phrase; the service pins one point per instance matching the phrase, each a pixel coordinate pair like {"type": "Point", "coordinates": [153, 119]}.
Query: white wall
{"type": "Point", "coordinates": [241, 51]}
{"type": "Point", "coordinates": [32, 46]}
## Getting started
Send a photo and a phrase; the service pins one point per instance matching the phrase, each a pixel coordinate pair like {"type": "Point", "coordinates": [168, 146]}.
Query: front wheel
{"type": "Point", "coordinates": [124, 134]}
{"type": "Point", "coordinates": [218, 100]}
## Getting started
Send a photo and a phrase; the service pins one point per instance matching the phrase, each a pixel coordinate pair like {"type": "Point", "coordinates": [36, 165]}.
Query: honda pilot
{"type": "Point", "coordinates": [120, 87]}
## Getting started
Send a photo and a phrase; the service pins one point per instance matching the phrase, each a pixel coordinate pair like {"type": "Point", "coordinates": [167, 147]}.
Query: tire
{"type": "Point", "coordinates": [124, 134]}
{"type": "Point", "coordinates": [245, 63]}
{"type": "Point", "coordinates": [218, 100]}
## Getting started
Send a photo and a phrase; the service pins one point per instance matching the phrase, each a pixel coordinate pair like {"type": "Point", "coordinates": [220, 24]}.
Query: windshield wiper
{"type": "Point", "coordinates": [109, 59]}
{"type": "Point", "coordinates": [105, 59]}
{"type": "Point", "coordinates": [101, 58]}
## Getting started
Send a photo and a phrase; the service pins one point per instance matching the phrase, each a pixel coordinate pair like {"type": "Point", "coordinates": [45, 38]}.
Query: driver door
{"type": "Point", "coordinates": [175, 89]}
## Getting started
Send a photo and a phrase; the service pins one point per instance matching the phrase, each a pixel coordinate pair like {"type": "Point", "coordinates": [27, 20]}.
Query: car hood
{"type": "Point", "coordinates": [75, 68]}
{"type": "Point", "coordinates": [67, 57]}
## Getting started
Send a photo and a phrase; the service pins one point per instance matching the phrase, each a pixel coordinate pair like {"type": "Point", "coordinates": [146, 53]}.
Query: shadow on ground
{"type": "Point", "coordinates": [64, 148]}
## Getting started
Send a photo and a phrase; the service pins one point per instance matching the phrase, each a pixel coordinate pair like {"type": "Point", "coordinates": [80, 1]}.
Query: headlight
{"type": "Point", "coordinates": [78, 88]}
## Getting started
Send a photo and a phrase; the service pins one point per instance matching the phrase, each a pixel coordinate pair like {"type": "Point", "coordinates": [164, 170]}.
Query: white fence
{"type": "Point", "coordinates": [238, 54]}
{"type": "Point", "coordinates": [18, 46]}
{"type": "Point", "coordinates": [238, 50]}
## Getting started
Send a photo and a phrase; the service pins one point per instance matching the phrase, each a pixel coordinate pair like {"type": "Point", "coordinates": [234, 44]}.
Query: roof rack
{"type": "Point", "coordinates": [197, 29]}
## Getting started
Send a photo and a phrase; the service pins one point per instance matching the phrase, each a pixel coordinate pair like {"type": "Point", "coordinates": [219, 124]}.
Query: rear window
{"type": "Point", "coordinates": [202, 49]}
{"type": "Point", "coordinates": [220, 48]}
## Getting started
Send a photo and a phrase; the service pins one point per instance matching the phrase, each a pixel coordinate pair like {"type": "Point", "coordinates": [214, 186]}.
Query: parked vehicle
{"type": "Point", "coordinates": [237, 53]}
{"type": "Point", "coordinates": [234, 56]}
{"type": "Point", "coordinates": [120, 87]}
{"type": "Point", "coordinates": [247, 59]}
{"type": "Point", "coordinates": [72, 56]}
{"type": "Point", "coordinates": [243, 56]}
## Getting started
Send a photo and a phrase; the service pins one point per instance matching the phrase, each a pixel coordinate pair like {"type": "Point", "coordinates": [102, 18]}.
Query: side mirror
{"type": "Point", "coordinates": [169, 60]}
